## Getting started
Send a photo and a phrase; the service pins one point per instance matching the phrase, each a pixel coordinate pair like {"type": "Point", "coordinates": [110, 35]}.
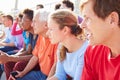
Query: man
{"type": "Point", "coordinates": [67, 4]}
{"type": "Point", "coordinates": [102, 25]}
{"type": "Point", "coordinates": [39, 6]}
{"type": "Point", "coordinates": [44, 52]}
{"type": "Point", "coordinates": [11, 42]}
{"type": "Point", "coordinates": [20, 59]}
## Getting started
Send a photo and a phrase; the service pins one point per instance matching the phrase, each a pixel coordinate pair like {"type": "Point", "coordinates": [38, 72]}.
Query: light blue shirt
{"type": "Point", "coordinates": [72, 65]}
{"type": "Point", "coordinates": [17, 40]}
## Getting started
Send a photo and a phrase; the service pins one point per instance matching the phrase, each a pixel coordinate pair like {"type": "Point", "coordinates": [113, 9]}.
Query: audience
{"type": "Point", "coordinates": [20, 59]}
{"type": "Point", "coordinates": [44, 52]}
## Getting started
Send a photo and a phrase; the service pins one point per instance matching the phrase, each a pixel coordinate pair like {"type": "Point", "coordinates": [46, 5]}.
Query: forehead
{"type": "Point", "coordinates": [87, 9]}
{"type": "Point", "coordinates": [52, 23]}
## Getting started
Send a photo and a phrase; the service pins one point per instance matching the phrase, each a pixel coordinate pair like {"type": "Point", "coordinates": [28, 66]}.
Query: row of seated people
{"type": "Point", "coordinates": [48, 60]}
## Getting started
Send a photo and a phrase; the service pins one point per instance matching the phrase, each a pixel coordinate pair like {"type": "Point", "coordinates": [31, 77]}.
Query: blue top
{"type": "Point", "coordinates": [29, 40]}
{"type": "Point", "coordinates": [72, 65]}
{"type": "Point", "coordinates": [17, 40]}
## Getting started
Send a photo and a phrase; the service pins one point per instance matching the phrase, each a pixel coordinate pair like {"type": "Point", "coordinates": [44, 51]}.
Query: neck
{"type": "Point", "coordinates": [73, 44]}
{"type": "Point", "coordinates": [43, 34]}
{"type": "Point", "coordinates": [113, 42]}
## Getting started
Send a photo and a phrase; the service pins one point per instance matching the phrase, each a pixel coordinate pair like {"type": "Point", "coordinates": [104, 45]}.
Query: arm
{"type": "Point", "coordinates": [52, 71]}
{"type": "Point", "coordinates": [60, 73]}
{"type": "Point", "coordinates": [79, 67]}
{"type": "Point", "coordinates": [4, 57]}
{"type": "Point", "coordinates": [23, 51]}
{"type": "Point", "coordinates": [14, 32]}
{"type": "Point", "coordinates": [7, 44]}
{"type": "Point", "coordinates": [31, 64]}
{"type": "Point", "coordinates": [2, 34]}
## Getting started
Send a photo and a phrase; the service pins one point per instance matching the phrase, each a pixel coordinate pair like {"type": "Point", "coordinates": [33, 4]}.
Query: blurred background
{"type": "Point", "coordinates": [14, 6]}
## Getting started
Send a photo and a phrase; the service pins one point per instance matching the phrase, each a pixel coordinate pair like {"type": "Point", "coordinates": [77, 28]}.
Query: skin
{"type": "Point", "coordinates": [64, 37]}
{"type": "Point", "coordinates": [99, 30]}
{"type": "Point", "coordinates": [54, 31]}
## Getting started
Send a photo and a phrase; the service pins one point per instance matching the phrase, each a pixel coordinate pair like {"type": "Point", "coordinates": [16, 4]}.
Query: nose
{"type": "Point", "coordinates": [32, 25]}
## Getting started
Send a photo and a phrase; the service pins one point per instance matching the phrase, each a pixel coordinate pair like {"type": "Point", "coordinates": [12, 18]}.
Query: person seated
{"type": "Point", "coordinates": [63, 28]}
{"type": "Point", "coordinates": [44, 52]}
{"type": "Point", "coordinates": [20, 59]}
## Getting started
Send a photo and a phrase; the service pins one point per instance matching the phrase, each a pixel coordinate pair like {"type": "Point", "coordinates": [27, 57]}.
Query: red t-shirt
{"type": "Point", "coordinates": [99, 65]}
{"type": "Point", "coordinates": [46, 52]}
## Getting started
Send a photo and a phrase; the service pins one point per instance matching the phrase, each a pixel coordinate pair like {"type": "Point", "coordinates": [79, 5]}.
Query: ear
{"type": "Point", "coordinates": [114, 18]}
{"type": "Point", "coordinates": [66, 30]}
{"type": "Point", "coordinates": [46, 26]}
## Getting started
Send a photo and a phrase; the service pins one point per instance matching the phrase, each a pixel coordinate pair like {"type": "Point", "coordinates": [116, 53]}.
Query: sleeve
{"type": "Point", "coordinates": [79, 67]}
{"type": "Point", "coordinates": [87, 73]}
{"type": "Point", "coordinates": [14, 32]}
{"type": "Point", "coordinates": [60, 73]}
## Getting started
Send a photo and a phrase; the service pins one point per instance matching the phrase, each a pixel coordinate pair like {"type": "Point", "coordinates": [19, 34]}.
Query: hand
{"type": "Point", "coordinates": [20, 74]}
{"type": "Point", "coordinates": [11, 78]}
{"type": "Point", "coordinates": [4, 57]}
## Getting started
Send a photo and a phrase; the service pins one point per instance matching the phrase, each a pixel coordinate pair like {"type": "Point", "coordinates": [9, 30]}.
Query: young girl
{"type": "Point", "coordinates": [63, 28]}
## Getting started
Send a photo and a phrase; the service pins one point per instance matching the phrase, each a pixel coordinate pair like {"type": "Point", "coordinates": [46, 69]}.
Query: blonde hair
{"type": "Point", "coordinates": [64, 17]}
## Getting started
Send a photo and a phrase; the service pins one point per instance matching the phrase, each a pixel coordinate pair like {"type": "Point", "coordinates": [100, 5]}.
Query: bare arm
{"type": "Point", "coordinates": [2, 35]}
{"type": "Point", "coordinates": [31, 64]}
{"type": "Point", "coordinates": [53, 78]}
{"type": "Point", "coordinates": [6, 44]}
{"type": "Point", "coordinates": [4, 57]}
{"type": "Point", "coordinates": [52, 71]}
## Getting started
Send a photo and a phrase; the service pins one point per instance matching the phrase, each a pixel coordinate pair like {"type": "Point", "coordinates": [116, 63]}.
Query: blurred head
{"type": "Point", "coordinates": [67, 4]}
{"type": "Point", "coordinates": [40, 21]}
{"type": "Point", "coordinates": [8, 21]}
{"type": "Point", "coordinates": [61, 24]}
{"type": "Point", "coordinates": [39, 6]}
{"type": "Point", "coordinates": [27, 19]}
{"type": "Point", "coordinates": [57, 6]}
{"type": "Point", "coordinates": [1, 18]}
{"type": "Point", "coordinates": [101, 20]}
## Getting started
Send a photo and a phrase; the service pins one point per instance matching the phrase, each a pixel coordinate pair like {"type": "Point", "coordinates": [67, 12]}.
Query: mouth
{"type": "Point", "coordinates": [88, 35]}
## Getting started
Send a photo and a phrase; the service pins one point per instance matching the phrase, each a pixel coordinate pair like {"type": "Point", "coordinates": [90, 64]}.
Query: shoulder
{"type": "Point", "coordinates": [94, 54]}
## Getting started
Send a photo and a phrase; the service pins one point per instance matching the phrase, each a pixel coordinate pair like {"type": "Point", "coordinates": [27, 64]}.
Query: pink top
{"type": "Point", "coordinates": [14, 31]}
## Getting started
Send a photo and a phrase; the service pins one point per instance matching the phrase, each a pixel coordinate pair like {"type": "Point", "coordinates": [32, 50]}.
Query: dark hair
{"type": "Point", "coordinates": [20, 15]}
{"type": "Point", "coordinates": [103, 8]}
{"type": "Point", "coordinates": [66, 18]}
{"type": "Point", "coordinates": [9, 17]}
{"type": "Point", "coordinates": [40, 5]}
{"type": "Point", "coordinates": [57, 6]}
{"type": "Point", "coordinates": [69, 4]}
{"type": "Point", "coordinates": [29, 13]}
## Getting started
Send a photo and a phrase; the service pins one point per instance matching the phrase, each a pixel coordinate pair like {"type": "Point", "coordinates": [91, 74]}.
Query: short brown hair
{"type": "Point", "coordinates": [102, 8]}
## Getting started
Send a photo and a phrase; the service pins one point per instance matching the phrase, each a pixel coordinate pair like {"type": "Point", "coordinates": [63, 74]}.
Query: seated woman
{"type": "Point", "coordinates": [63, 28]}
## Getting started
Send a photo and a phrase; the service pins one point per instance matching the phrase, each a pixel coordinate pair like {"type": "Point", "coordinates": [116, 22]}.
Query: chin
{"type": "Point", "coordinates": [52, 42]}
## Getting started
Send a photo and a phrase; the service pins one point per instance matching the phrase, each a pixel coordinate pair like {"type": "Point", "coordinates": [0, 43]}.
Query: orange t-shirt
{"type": "Point", "coordinates": [46, 52]}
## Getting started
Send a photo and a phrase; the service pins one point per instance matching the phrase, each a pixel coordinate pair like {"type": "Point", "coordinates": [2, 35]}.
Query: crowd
{"type": "Point", "coordinates": [61, 45]}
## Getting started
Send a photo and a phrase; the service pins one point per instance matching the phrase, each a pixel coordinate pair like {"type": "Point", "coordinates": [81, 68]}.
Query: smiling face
{"type": "Point", "coordinates": [98, 31]}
